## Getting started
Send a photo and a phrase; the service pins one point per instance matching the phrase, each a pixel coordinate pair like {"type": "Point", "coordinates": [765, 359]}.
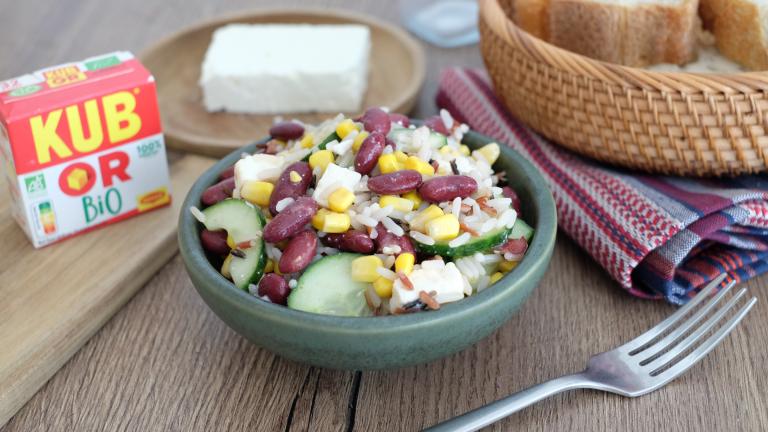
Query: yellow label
{"type": "Point", "coordinates": [63, 76]}
{"type": "Point", "coordinates": [152, 199]}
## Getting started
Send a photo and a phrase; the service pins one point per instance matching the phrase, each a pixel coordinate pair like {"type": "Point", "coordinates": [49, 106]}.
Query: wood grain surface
{"type": "Point", "coordinates": [175, 63]}
{"type": "Point", "coordinates": [166, 363]}
{"type": "Point", "coordinates": [52, 300]}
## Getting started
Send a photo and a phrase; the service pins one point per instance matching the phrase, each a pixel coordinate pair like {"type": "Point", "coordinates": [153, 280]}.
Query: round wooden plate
{"type": "Point", "coordinates": [397, 73]}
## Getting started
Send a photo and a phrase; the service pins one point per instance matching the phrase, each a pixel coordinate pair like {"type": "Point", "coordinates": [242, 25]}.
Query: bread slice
{"type": "Point", "coordinates": [741, 29]}
{"type": "Point", "coordinates": [630, 32]}
{"type": "Point", "coordinates": [532, 16]}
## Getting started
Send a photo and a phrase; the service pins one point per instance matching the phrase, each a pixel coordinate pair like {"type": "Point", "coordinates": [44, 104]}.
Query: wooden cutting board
{"type": "Point", "coordinates": [52, 300]}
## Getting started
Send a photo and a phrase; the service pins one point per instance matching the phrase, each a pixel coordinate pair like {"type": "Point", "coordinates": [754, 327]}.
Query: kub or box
{"type": "Point", "coordinates": [81, 146]}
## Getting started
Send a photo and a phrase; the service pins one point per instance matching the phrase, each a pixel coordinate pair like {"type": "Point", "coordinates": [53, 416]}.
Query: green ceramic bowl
{"type": "Point", "coordinates": [377, 342]}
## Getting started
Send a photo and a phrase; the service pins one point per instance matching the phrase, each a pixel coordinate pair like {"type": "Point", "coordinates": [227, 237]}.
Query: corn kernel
{"type": "Point", "coordinates": [345, 127]}
{"type": "Point", "coordinates": [495, 277]}
{"type": "Point", "coordinates": [321, 159]}
{"type": "Point", "coordinates": [364, 268]}
{"type": "Point", "coordinates": [295, 177]}
{"type": "Point", "coordinates": [414, 163]}
{"type": "Point", "coordinates": [231, 242]}
{"type": "Point", "coordinates": [506, 266]}
{"type": "Point", "coordinates": [307, 141]}
{"type": "Point", "coordinates": [449, 151]}
{"type": "Point", "coordinates": [257, 192]}
{"type": "Point", "coordinates": [225, 267]}
{"type": "Point", "coordinates": [388, 163]}
{"type": "Point", "coordinates": [359, 140]}
{"type": "Point", "coordinates": [420, 221]}
{"type": "Point", "coordinates": [401, 156]}
{"type": "Point", "coordinates": [404, 263]}
{"type": "Point", "coordinates": [340, 199]}
{"type": "Point", "coordinates": [383, 287]}
{"type": "Point", "coordinates": [489, 152]}
{"type": "Point", "coordinates": [336, 222]}
{"type": "Point", "coordinates": [318, 220]}
{"type": "Point", "coordinates": [399, 204]}
{"type": "Point", "coordinates": [269, 267]}
{"type": "Point", "coordinates": [445, 227]}
{"type": "Point", "coordinates": [414, 197]}
{"type": "Point", "coordinates": [464, 150]}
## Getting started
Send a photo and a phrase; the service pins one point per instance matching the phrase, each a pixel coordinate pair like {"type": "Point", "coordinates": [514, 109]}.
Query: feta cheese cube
{"type": "Point", "coordinates": [333, 178]}
{"type": "Point", "coordinates": [281, 68]}
{"type": "Point", "coordinates": [258, 167]}
{"type": "Point", "coordinates": [444, 279]}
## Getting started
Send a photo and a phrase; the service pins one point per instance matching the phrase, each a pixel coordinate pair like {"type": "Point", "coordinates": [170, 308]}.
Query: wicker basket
{"type": "Point", "coordinates": [675, 123]}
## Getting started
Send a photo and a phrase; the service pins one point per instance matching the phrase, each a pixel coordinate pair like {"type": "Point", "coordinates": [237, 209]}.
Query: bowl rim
{"type": "Point", "coordinates": [541, 246]}
{"type": "Point", "coordinates": [747, 82]}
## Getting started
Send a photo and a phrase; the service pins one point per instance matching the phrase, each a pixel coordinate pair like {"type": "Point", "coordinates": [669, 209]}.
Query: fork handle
{"type": "Point", "coordinates": [495, 411]}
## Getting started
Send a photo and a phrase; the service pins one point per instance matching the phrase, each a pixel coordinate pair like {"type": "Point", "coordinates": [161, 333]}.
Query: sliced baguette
{"type": "Point", "coordinates": [741, 29]}
{"type": "Point", "coordinates": [629, 32]}
{"type": "Point", "coordinates": [532, 16]}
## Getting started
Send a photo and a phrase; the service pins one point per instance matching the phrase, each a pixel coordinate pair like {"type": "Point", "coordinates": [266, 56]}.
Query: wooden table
{"type": "Point", "coordinates": [165, 362]}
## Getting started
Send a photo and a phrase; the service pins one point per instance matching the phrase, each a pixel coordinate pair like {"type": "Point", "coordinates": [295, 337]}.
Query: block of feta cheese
{"type": "Point", "coordinates": [286, 68]}
{"type": "Point", "coordinates": [434, 275]}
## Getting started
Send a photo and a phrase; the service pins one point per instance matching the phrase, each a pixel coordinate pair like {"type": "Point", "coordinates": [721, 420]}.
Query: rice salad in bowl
{"type": "Point", "coordinates": [364, 217]}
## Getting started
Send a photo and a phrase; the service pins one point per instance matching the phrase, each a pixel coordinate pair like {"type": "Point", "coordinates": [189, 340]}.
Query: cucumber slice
{"type": "Point", "coordinates": [403, 137]}
{"type": "Point", "coordinates": [521, 229]}
{"type": "Point", "coordinates": [244, 222]}
{"type": "Point", "coordinates": [327, 288]}
{"type": "Point", "coordinates": [483, 243]}
{"type": "Point", "coordinates": [477, 244]}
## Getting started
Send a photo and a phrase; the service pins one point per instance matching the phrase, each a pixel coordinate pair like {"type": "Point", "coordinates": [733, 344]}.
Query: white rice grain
{"type": "Point", "coordinates": [386, 273]}
{"type": "Point", "coordinates": [447, 119]}
{"type": "Point", "coordinates": [483, 282]}
{"type": "Point", "coordinates": [283, 203]}
{"type": "Point", "coordinates": [293, 283]}
{"type": "Point", "coordinates": [367, 221]}
{"type": "Point", "coordinates": [433, 264]}
{"type": "Point", "coordinates": [460, 240]}
{"type": "Point", "coordinates": [488, 225]}
{"type": "Point", "coordinates": [456, 209]}
{"type": "Point", "coordinates": [422, 238]}
{"type": "Point", "coordinates": [273, 252]}
{"type": "Point", "coordinates": [200, 216]}
{"type": "Point", "coordinates": [391, 226]}
{"type": "Point", "coordinates": [390, 261]}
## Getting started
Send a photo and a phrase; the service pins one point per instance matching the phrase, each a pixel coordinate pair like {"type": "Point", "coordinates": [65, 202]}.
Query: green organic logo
{"type": "Point", "coordinates": [102, 63]}
{"type": "Point", "coordinates": [35, 184]}
{"type": "Point", "coordinates": [26, 90]}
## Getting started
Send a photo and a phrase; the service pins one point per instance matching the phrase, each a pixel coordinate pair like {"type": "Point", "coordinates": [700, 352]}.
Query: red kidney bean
{"type": "Point", "coordinates": [350, 241]}
{"type": "Point", "coordinates": [286, 188]}
{"type": "Point", "coordinates": [299, 252]}
{"type": "Point", "coordinates": [399, 118]}
{"type": "Point", "coordinates": [395, 183]}
{"type": "Point", "coordinates": [446, 188]}
{"type": "Point", "coordinates": [214, 241]}
{"type": "Point", "coordinates": [376, 120]}
{"type": "Point", "coordinates": [218, 192]}
{"type": "Point", "coordinates": [291, 220]}
{"type": "Point", "coordinates": [370, 150]}
{"type": "Point", "coordinates": [227, 173]}
{"type": "Point", "coordinates": [511, 194]}
{"type": "Point", "coordinates": [436, 124]}
{"type": "Point", "coordinates": [385, 238]}
{"type": "Point", "coordinates": [516, 246]}
{"type": "Point", "coordinates": [275, 288]}
{"type": "Point", "coordinates": [286, 130]}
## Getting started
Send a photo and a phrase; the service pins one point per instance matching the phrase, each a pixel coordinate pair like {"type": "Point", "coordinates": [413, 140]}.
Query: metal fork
{"type": "Point", "coordinates": [638, 367]}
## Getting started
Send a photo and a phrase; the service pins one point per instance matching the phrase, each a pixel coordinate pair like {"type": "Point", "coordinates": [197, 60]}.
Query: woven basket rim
{"type": "Point", "coordinates": [492, 14]}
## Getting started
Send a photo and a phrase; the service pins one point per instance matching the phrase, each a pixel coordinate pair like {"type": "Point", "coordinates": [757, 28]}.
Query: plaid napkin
{"type": "Point", "coordinates": [658, 236]}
